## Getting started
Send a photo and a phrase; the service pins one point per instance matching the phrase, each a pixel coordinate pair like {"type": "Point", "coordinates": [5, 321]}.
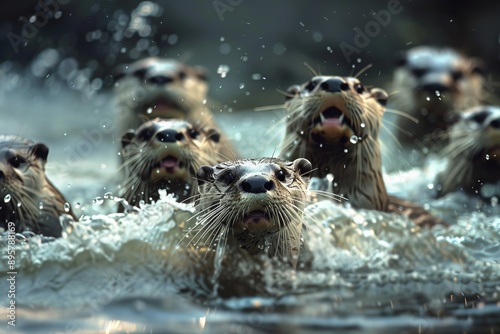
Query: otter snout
{"type": "Point", "coordinates": [257, 184]}
{"type": "Point", "coordinates": [169, 136]}
{"type": "Point", "coordinates": [334, 85]}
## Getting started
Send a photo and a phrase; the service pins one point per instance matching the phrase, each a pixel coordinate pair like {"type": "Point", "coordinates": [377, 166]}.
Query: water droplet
{"type": "Point", "coordinates": [19, 204]}
{"type": "Point", "coordinates": [223, 70]}
{"type": "Point", "coordinates": [487, 157]}
{"type": "Point", "coordinates": [362, 125]}
{"type": "Point", "coordinates": [256, 76]}
{"type": "Point", "coordinates": [149, 111]}
{"type": "Point", "coordinates": [109, 195]}
{"type": "Point", "coordinates": [329, 49]}
{"type": "Point", "coordinates": [346, 150]}
{"type": "Point", "coordinates": [428, 98]}
{"type": "Point", "coordinates": [7, 198]}
{"type": "Point", "coordinates": [67, 207]}
{"type": "Point", "coordinates": [242, 85]}
{"type": "Point", "coordinates": [98, 200]}
{"type": "Point", "coordinates": [222, 39]}
{"type": "Point", "coordinates": [354, 139]}
{"type": "Point", "coordinates": [438, 93]}
{"type": "Point", "coordinates": [77, 205]}
{"type": "Point", "coordinates": [301, 132]}
{"type": "Point", "coordinates": [204, 101]}
{"type": "Point", "coordinates": [430, 186]}
{"type": "Point", "coordinates": [358, 60]}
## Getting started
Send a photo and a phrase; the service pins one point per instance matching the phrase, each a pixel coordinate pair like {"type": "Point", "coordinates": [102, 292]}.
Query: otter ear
{"type": "Point", "coordinates": [128, 137]}
{"type": "Point", "coordinates": [303, 167]}
{"type": "Point", "coordinates": [40, 151]}
{"type": "Point", "coordinates": [380, 95]}
{"type": "Point", "coordinates": [478, 66]}
{"type": "Point", "coordinates": [292, 91]}
{"type": "Point", "coordinates": [205, 174]}
{"type": "Point", "coordinates": [213, 135]}
{"type": "Point", "coordinates": [201, 73]}
{"type": "Point", "coordinates": [400, 59]}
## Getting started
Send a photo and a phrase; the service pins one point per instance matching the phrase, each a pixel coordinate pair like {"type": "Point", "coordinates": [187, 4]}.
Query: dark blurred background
{"type": "Point", "coordinates": [262, 44]}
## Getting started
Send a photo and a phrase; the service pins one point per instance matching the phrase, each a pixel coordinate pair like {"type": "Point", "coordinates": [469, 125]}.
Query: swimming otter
{"type": "Point", "coordinates": [165, 154]}
{"type": "Point", "coordinates": [334, 122]}
{"type": "Point", "coordinates": [165, 88]}
{"type": "Point", "coordinates": [28, 200]}
{"type": "Point", "coordinates": [432, 86]}
{"type": "Point", "coordinates": [473, 153]}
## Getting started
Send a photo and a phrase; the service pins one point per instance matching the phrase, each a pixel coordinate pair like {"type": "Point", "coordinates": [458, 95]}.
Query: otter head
{"type": "Point", "coordinates": [473, 151]}
{"type": "Point", "coordinates": [331, 116]}
{"type": "Point", "coordinates": [165, 154]}
{"type": "Point", "coordinates": [436, 82]}
{"type": "Point", "coordinates": [257, 204]}
{"type": "Point", "coordinates": [27, 198]}
{"type": "Point", "coordinates": [155, 87]}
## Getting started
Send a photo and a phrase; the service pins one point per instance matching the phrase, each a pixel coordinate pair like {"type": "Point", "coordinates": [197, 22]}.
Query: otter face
{"type": "Point", "coordinates": [481, 126]}
{"type": "Point", "coordinates": [473, 151]}
{"type": "Point", "coordinates": [165, 88]}
{"type": "Point", "coordinates": [332, 114]}
{"type": "Point", "coordinates": [22, 180]}
{"type": "Point", "coordinates": [165, 154]}
{"type": "Point", "coordinates": [254, 199]}
{"type": "Point", "coordinates": [432, 77]}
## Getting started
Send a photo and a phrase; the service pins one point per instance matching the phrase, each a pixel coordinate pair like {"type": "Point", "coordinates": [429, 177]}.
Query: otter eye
{"type": "Point", "coordinates": [17, 161]}
{"type": "Point", "coordinates": [281, 175]}
{"type": "Point", "coordinates": [311, 85]}
{"type": "Point", "coordinates": [291, 92]}
{"type": "Point", "coordinates": [182, 75]}
{"type": "Point", "coordinates": [193, 133]}
{"type": "Point", "coordinates": [418, 72]}
{"type": "Point", "coordinates": [480, 117]}
{"type": "Point", "coordinates": [457, 75]}
{"type": "Point", "coordinates": [227, 178]}
{"type": "Point", "coordinates": [359, 88]}
{"type": "Point", "coordinates": [145, 134]}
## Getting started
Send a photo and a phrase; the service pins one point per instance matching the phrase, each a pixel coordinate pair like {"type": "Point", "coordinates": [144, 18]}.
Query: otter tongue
{"type": "Point", "coordinates": [332, 116]}
{"type": "Point", "coordinates": [169, 162]}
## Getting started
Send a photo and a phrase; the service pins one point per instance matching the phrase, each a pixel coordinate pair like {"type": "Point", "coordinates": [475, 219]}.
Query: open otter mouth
{"type": "Point", "coordinates": [255, 217]}
{"type": "Point", "coordinates": [170, 163]}
{"type": "Point", "coordinates": [162, 103]}
{"type": "Point", "coordinates": [332, 116]}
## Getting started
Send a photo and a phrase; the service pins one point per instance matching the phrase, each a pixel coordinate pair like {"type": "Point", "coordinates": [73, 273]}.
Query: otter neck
{"type": "Point", "coordinates": [357, 173]}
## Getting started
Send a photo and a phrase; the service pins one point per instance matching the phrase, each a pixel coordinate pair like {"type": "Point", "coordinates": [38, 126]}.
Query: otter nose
{"type": "Point", "coordinates": [435, 87]}
{"type": "Point", "coordinates": [159, 80]}
{"type": "Point", "coordinates": [257, 184]}
{"type": "Point", "coordinates": [495, 124]}
{"type": "Point", "coordinates": [334, 85]}
{"type": "Point", "coordinates": [169, 136]}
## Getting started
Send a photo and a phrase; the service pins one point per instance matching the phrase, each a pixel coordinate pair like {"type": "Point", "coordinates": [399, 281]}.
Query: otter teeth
{"type": "Point", "coordinates": [322, 118]}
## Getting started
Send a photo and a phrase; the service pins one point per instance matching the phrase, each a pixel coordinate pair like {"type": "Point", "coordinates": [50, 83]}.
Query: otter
{"type": "Point", "coordinates": [334, 122]}
{"type": "Point", "coordinates": [165, 88]}
{"type": "Point", "coordinates": [433, 85]}
{"type": "Point", "coordinates": [473, 153]}
{"type": "Point", "coordinates": [253, 205]}
{"type": "Point", "coordinates": [28, 200]}
{"type": "Point", "coordinates": [165, 154]}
